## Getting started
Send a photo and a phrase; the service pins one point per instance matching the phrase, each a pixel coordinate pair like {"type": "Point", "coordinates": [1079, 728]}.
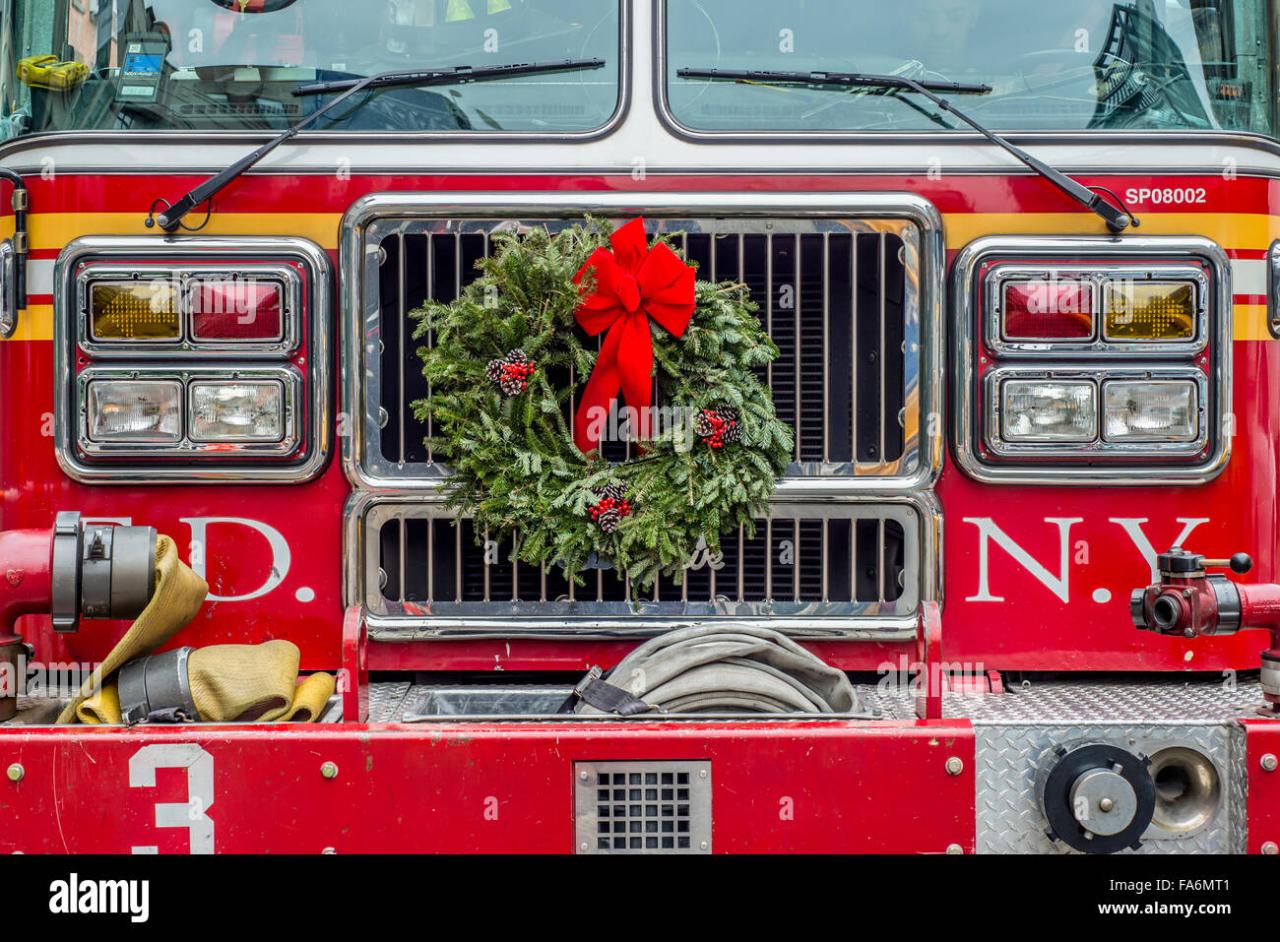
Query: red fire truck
{"type": "Point", "coordinates": [1020, 264]}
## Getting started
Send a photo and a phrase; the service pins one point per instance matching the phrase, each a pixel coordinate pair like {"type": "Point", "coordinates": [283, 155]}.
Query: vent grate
{"type": "Point", "coordinates": [643, 807]}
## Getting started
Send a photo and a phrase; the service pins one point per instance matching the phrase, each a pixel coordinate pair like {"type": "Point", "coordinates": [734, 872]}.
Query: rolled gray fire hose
{"type": "Point", "coordinates": [717, 670]}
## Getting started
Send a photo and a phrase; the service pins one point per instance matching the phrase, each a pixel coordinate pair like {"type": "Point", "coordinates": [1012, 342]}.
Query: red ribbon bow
{"type": "Point", "coordinates": [633, 283]}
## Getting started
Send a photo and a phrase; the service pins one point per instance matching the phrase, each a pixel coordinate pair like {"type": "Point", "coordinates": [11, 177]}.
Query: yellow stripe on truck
{"type": "Point", "coordinates": [55, 230]}
{"type": "Point", "coordinates": [1252, 322]}
{"type": "Point", "coordinates": [1239, 231]}
{"type": "Point", "coordinates": [1231, 230]}
{"type": "Point", "coordinates": [35, 323]}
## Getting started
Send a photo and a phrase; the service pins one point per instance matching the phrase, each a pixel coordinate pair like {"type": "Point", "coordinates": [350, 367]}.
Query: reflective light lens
{"type": "Point", "coordinates": [1048, 309]}
{"type": "Point", "coordinates": [135, 310]}
{"type": "Point", "coordinates": [236, 309]}
{"type": "Point", "coordinates": [1048, 411]}
{"type": "Point", "coordinates": [1150, 311]}
{"type": "Point", "coordinates": [237, 411]}
{"type": "Point", "coordinates": [135, 411]}
{"type": "Point", "coordinates": [1151, 411]}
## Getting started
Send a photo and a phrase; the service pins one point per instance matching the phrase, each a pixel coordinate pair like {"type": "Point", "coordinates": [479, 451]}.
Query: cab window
{"type": "Point", "coordinates": [233, 64]}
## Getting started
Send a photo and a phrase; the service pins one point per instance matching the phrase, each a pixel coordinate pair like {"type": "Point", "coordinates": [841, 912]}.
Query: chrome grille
{"type": "Point", "coordinates": [826, 564]}
{"type": "Point", "coordinates": [849, 286]}
{"type": "Point", "coordinates": [839, 297]}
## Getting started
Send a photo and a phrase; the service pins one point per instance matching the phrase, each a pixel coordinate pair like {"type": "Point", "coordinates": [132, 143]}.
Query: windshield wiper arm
{"type": "Point", "coordinates": [172, 217]}
{"type": "Point", "coordinates": [1117, 219]}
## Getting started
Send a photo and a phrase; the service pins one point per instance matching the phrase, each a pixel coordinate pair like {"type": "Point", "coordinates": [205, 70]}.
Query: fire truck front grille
{"type": "Point", "coordinates": [827, 566]}
{"type": "Point", "coordinates": [839, 298]}
{"type": "Point", "coordinates": [849, 287]}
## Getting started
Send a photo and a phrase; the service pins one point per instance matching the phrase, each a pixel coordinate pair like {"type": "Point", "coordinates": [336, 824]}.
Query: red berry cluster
{"type": "Point", "coordinates": [611, 508]}
{"type": "Point", "coordinates": [512, 372]}
{"type": "Point", "coordinates": [716, 427]}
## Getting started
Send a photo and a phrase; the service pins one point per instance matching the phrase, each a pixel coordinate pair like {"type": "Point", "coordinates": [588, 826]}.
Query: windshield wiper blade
{"type": "Point", "coordinates": [844, 79]}
{"type": "Point", "coordinates": [1116, 218]}
{"type": "Point", "coordinates": [172, 217]}
{"type": "Point", "coordinates": [454, 75]}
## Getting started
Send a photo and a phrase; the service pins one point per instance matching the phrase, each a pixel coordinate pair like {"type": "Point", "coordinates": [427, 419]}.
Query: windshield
{"type": "Point", "coordinates": [1065, 65]}
{"type": "Point", "coordinates": [233, 64]}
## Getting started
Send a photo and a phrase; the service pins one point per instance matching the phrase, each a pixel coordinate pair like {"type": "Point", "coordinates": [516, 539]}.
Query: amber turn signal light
{"type": "Point", "coordinates": [1150, 311]}
{"type": "Point", "coordinates": [135, 310]}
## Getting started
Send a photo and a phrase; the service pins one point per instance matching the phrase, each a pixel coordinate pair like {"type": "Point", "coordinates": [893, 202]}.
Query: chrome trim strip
{"type": "Point", "coordinates": [360, 315]}
{"type": "Point", "coordinates": [508, 622]}
{"type": "Point", "coordinates": [8, 289]}
{"type": "Point", "coordinates": [317, 430]}
{"type": "Point", "coordinates": [1072, 248]}
{"type": "Point", "coordinates": [288, 377]}
{"type": "Point", "coordinates": [1101, 277]}
{"type": "Point", "coordinates": [1098, 377]}
{"type": "Point", "coordinates": [287, 277]}
{"type": "Point", "coordinates": [1273, 289]}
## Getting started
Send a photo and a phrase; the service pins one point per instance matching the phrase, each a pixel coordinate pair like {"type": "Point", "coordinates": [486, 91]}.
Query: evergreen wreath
{"type": "Point", "coordinates": [500, 364]}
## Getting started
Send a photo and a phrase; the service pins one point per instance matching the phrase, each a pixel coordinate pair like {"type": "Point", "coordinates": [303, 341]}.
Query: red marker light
{"type": "Point", "coordinates": [236, 310]}
{"type": "Point", "coordinates": [1049, 309]}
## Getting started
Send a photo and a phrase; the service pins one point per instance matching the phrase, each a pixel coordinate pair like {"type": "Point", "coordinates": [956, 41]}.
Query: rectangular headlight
{"type": "Point", "coordinates": [1166, 411]}
{"type": "Point", "coordinates": [1048, 411]}
{"type": "Point", "coordinates": [237, 411]}
{"type": "Point", "coordinates": [135, 411]}
{"type": "Point", "coordinates": [143, 310]}
{"type": "Point", "coordinates": [1150, 311]}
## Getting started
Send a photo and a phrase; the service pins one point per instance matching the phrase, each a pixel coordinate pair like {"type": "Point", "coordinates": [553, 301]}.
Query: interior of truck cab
{"type": "Point", "coordinates": [223, 64]}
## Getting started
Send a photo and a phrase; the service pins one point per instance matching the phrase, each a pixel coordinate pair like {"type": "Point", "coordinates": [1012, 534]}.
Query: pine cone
{"type": "Point", "coordinates": [511, 373]}
{"type": "Point", "coordinates": [612, 505]}
{"type": "Point", "coordinates": [717, 427]}
{"type": "Point", "coordinates": [513, 385]}
{"type": "Point", "coordinates": [616, 491]}
{"type": "Point", "coordinates": [733, 429]}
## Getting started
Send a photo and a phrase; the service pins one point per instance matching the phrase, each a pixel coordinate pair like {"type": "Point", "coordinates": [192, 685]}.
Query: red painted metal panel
{"type": "Point", "coordinates": [1263, 739]}
{"type": "Point", "coordinates": [331, 193]}
{"type": "Point", "coordinates": [783, 787]}
{"type": "Point", "coordinates": [1032, 628]}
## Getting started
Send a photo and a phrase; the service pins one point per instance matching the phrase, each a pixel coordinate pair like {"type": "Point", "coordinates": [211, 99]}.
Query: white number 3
{"type": "Point", "coordinates": [189, 814]}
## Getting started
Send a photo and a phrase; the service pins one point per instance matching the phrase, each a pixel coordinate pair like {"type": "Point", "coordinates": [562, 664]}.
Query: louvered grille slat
{"type": "Point", "coordinates": [827, 561]}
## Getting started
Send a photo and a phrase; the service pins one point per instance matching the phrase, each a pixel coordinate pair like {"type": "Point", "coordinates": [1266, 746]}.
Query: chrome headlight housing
{"type": "Point", "coordinates": [195, 358]}
{"type": "Point", "coordinates": [1092, 361]}
{"type": "Point", "coordinates": [8, 289]}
